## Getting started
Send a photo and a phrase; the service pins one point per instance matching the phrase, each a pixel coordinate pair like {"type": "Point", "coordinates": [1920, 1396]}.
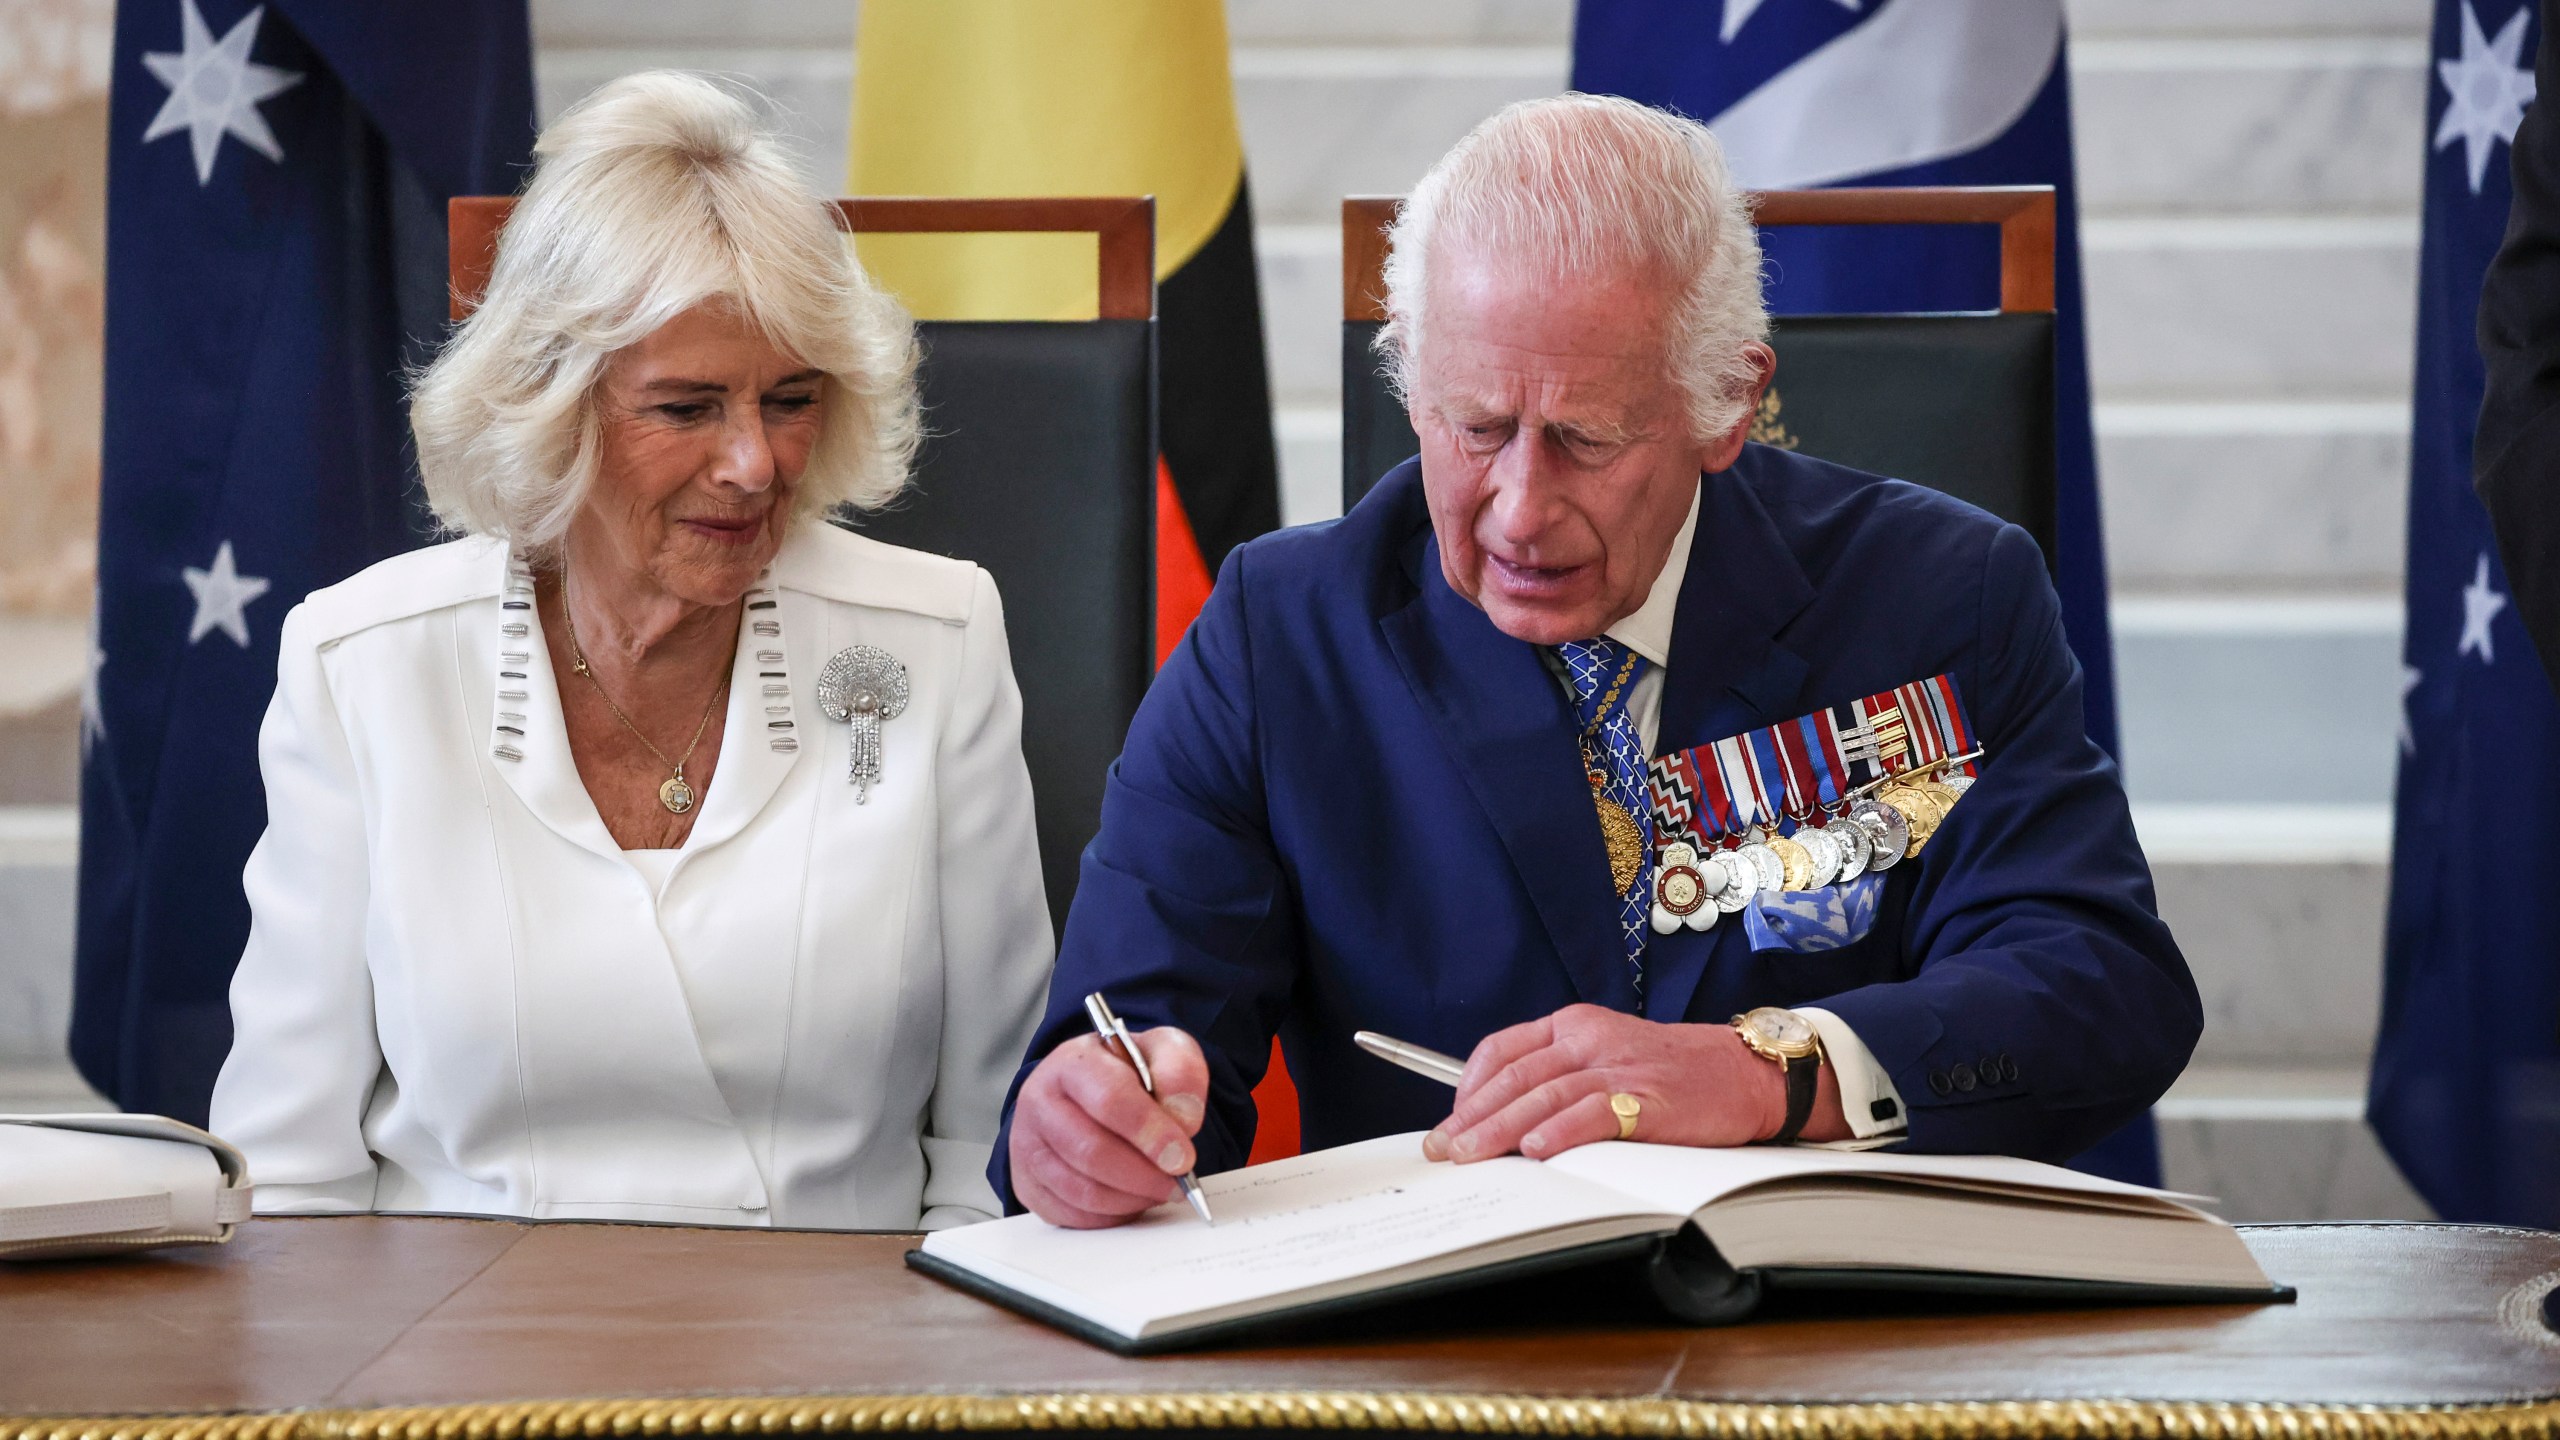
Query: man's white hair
{"type": "Point", "coordinates": [1584, 185]}
{"type": "Point", "coordinates": [653, 195]}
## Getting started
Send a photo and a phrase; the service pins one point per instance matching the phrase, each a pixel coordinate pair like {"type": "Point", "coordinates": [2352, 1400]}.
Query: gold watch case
{"type": "Point", "coordinates": [1778, 1034]}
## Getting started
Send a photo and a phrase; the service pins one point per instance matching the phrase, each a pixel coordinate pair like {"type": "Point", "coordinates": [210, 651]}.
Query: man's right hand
{"type": "Point", "coordinates": [1090, 1147]}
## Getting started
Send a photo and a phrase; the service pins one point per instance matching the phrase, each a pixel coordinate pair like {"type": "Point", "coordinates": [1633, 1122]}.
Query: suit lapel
{"type": "Point", "coordinates": [761, 739]}
{"type": "Point", "coordinates": [1504, 723]}
{"type": "Point", "coordinates": [1729, 673]}
{"type": "Point", "coordinates": [531, 739]}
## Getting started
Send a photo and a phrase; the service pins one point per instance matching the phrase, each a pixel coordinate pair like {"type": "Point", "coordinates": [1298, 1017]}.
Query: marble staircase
{"type": "Point", "coordinates": [2250, 171]}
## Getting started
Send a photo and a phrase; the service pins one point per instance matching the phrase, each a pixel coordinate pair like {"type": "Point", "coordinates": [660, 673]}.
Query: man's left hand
{"type": "Point", "coordinates": [1543, 1088]}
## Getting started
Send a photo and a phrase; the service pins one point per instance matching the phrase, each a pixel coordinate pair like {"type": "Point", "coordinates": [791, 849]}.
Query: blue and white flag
{"type": "Point", "coordinates": [1809, 93]}
{"type": "Point", "coordinates": [277, 176]}
{"type": "Point", "coordinates": [2466, 1073]}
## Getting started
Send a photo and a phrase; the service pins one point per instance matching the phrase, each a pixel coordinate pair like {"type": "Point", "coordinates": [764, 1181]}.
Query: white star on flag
{"type": "Point", "coordinates": [2480, 605]}
{"type": "Point", "coordinates": [1738, 12]}
{"type": "Point", "coordinates": [222, 594]}
{"type": "Point", "coordinates": [2410, 675]}
{"type": "Point", "coordinates": [214, 89]}
{"type": "Point", "coordinates": [2487, 90]}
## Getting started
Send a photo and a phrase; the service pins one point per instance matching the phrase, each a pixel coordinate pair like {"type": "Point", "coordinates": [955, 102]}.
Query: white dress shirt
{"type": "Point", "coordinates": [459, 994]}
{"type": "Point", "coordinates": [1863, 1082]}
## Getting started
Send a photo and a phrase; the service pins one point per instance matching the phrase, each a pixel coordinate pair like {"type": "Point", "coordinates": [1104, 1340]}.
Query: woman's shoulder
{"type": "Point", "coordinates": [429, 578]}
{"type": "Point", "coordinates": [834, 563]}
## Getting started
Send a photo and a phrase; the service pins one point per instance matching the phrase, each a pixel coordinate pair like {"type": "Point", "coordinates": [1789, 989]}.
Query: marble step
{"type": "Point", "coordinates": [2275, 1144]}
{"type": "Point", "coordinates": [2249, 124]}
{"type": "Point", "coordinates": [2216, 309]}
{"type": "Point", "coordinates": [43, 662]}
{"type": "Point", "coordinates": [2259, 699]}
{"type": "Point", "coordinates": [39, 859]}
{"type": "Point", "coordinates": [2279, 911]}
{"type": "Point", "coordinates": [809, 86]}
{"type": "Point", "coordinates": [2153, 18]}
{"type": "Point", "coordinates": [2269, 494]}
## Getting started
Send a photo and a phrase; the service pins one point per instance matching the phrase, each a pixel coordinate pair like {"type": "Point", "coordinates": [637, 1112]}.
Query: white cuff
{"type": "Point", "coordinates": [1867, 1097]}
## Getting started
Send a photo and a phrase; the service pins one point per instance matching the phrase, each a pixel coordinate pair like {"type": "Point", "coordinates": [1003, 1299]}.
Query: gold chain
{"type": "Point", "coordinates": [578, 658]}
{"type": "Point", "coordinates": [1609, 700]}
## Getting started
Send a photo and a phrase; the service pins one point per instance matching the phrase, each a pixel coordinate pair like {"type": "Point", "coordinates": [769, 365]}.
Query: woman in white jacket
{"type": "Point", "coordinates": [657, 851]}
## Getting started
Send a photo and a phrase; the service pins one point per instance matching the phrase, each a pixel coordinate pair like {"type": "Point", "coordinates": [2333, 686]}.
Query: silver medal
{"type": "Point", "coordinates": [1716, 873]}
{"type": "Point", "coordinates": [1856, 846]}
{"type": "Point", "coordinates": [1823, 851]}
{"type": "Point", "coordinates": [863, 686]}
{"type": "Point", "coordinates": [1768, 872]}
{"type": "Point", "coordinates": [1740, 883]}
{"type": "Point", "coordinates": [1887, 828]}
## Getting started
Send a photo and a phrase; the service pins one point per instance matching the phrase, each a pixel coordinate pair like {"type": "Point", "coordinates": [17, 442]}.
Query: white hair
{"type": "Point", "coordinates": [653, 195]}
{"type": "Point", "coordinates": [1594, 184]}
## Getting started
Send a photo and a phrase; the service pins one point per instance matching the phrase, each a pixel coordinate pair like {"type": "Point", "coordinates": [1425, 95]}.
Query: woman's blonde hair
{"type": "Point", "coordinates": [653, 195]}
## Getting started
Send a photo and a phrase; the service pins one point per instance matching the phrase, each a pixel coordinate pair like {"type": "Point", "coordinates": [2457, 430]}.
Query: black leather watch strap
{"type": "Point", "coordinates": [1804, 1080]}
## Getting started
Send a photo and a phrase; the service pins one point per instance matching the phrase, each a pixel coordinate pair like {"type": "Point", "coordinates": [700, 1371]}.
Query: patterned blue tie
{"type": "Point", "coordinates": [1604, 673]}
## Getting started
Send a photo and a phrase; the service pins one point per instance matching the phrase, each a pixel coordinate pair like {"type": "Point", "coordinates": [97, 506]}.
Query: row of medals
{"type": "Point", "coordinates": [1876, 832]}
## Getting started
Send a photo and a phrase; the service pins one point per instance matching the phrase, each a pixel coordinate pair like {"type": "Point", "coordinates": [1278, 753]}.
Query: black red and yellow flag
{"type": "Point", "coordinates": [1093, 97]}
{"type": "Point", "coordinates": [1088, 97]}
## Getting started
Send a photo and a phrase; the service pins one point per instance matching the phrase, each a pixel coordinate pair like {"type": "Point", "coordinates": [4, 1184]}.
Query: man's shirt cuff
{"type": "Point", "coordinates": [1867, 1097]}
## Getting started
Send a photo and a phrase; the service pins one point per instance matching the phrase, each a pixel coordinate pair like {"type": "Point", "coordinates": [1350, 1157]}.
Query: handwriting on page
{"type": "Point", "coordinates": [1369, 1226]}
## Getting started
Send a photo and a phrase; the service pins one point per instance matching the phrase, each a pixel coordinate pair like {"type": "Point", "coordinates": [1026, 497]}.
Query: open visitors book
{"type": "Point", "coordinates": [1709, 1229]}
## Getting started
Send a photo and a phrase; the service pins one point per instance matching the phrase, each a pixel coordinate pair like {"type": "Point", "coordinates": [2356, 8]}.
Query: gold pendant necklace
{"type": "Point", "coordinates": [675, 792]}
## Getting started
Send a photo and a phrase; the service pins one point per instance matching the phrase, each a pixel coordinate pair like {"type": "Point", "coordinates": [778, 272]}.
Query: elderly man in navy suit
{"type": "Point", "coordinates": [1698, 792]}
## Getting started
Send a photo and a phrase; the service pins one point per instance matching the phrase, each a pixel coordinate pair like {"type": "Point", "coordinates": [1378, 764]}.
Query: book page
{"type": "Point", "coordinates": [1292, 1231]}
{"type": "Point", "coordinates": [1686, 1180]}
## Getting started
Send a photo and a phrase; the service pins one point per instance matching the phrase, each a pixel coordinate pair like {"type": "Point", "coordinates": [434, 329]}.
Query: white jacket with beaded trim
{"type": "Point", "coordinates": [458, 995]}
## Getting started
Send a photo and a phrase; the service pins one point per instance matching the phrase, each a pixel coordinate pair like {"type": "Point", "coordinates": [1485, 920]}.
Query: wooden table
{"type": "Point", "coordinates": [406, 1328]}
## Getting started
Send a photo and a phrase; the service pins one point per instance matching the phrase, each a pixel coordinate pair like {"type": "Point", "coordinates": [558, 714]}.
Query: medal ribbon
{"type": "Point", "coordinates": [1813, 736]}
{"type": "Point", "coordinates": [1810, 763]}
{"type": "Point", "coordinates": [1767, 769]}
{"type": "Point", "coordinates": [1672, 783]}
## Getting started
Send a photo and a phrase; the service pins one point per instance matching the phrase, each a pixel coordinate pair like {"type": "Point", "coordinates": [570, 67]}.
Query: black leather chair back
{"type": "Point", "coordinates": [1039, 464]}
{"type": "Point", "coordinates": [1959, 403]}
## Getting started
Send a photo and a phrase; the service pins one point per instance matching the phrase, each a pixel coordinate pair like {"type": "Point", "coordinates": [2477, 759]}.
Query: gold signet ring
{"type": "Point", "coordinates": [1626, 1107]}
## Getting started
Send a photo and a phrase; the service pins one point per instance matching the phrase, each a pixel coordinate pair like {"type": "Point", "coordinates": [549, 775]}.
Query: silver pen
{"type": "Point", "coordinates": [1429, 1063]}
{"type": "Point", "coordinates": [1117, 1039]}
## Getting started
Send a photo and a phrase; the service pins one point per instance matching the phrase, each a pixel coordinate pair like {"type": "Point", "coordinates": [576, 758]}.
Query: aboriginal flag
{"type": "Point", "coordinates": [1088, 97]}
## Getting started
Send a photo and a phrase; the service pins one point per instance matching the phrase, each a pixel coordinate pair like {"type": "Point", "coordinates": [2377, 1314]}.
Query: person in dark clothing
{"type": "Point", "coordinates": [2515, 454]}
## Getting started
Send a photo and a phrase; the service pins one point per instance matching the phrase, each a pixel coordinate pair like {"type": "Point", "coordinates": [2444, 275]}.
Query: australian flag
{"type": "Point", "coordinates": [1809, 93]}
{"type": "Point", "coordinates": [277, 177]}
{"type": "Point", "coordinates": [2466, 1073]}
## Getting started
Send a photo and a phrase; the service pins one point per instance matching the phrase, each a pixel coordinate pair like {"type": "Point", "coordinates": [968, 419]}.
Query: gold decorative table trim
{"type": "Point", "coordinates": [1415, 1412]}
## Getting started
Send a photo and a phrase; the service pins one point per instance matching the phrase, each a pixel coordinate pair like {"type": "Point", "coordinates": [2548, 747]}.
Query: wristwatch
{"type": "Point", "coordinates": [1790, 1040]}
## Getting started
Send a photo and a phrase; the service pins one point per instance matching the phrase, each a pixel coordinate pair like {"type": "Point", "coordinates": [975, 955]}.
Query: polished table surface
{"type": "Point", "coordinates": [379, 1326]}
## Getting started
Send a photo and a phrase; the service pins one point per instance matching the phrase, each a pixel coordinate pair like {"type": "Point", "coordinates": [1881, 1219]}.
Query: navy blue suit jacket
{"type": "Point", "coordinates": [1350, 803]}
